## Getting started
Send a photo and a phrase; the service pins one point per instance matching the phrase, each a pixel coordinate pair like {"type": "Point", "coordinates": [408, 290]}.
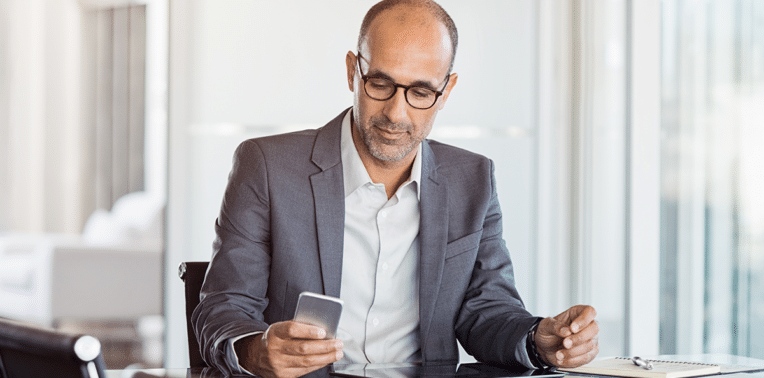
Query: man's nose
{"type": "Point", "coordinates": [396, 108]}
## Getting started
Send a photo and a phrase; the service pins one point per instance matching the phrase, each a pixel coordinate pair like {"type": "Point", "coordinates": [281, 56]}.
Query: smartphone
{"type": "Point", "coordinates": [319, 310]}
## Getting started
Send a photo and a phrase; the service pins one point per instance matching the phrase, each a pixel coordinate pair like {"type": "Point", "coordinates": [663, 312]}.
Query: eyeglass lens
{"type": "Point", "coordinates": [382, 89]}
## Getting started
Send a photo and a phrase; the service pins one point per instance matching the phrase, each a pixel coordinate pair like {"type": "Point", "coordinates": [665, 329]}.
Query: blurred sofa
{"type": "Point", "coordinates": [112, 271]}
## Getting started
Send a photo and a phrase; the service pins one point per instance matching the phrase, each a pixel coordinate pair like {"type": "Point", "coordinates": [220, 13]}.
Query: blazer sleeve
{"type": "Point", "coordinates": [233, 296]}
{"type": "Point", "coordinates": [493, 323]}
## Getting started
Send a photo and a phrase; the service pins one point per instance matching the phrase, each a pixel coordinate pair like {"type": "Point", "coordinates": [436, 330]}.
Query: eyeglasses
{"type": "Point", "coordinates": [382, 89]}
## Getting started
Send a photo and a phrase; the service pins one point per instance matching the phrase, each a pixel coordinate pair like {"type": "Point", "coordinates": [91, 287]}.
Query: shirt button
{"type": "Point", "coordinates": [385, 266]}
{"type": "Point", "coordinates": [383, 214]}
{"type": "Point", "coordinates": [375, 322]}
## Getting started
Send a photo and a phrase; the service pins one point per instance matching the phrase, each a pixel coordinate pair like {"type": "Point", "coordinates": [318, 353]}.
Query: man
{"type": "Point", "coordinates": [405, 230]}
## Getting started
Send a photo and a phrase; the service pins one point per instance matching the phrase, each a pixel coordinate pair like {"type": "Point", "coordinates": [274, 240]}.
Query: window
{"type": "Point", "coordinates": [712, 211]}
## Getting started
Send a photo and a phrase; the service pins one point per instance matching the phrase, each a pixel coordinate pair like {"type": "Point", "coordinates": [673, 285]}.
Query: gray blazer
{"type": "Point", "coordinates": [280, 232]}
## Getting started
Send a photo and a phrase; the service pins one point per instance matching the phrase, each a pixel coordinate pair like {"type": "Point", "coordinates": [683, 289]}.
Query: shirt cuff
{"type": "Point", "coordinates": [521, 353]}
{"type": "Point", "coordinates": [530, 346]}
{"type": "Point", "coordinates": [231, 352]}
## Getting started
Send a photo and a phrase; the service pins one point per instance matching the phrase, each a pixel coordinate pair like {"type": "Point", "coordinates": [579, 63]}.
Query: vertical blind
{"type": "Point", "coordinates": [72, 111]}
{"type": "Point", "coordinates": [115, 126]}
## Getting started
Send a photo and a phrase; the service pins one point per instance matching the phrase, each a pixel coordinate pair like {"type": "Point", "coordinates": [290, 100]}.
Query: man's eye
{"type": "Point", "coordinates": [379, 84]}
{"type": "Point", "coordinates": [420, 92]}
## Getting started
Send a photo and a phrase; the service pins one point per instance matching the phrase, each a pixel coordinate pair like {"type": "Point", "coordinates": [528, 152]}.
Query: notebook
{"type": "Point", "coordinates": [624, 367]}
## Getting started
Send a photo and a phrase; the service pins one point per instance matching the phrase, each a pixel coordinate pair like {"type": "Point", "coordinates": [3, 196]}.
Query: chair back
{"type": "Point", "coordinates": [29, 351]}
{"type": "Point", "coordinates": [192, 274]}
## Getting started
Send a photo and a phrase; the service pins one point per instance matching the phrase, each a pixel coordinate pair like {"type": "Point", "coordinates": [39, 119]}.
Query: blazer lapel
{"type": "Point", "coordinates": [433, 235]}
{"type": "Point", "coordinates": [329, 199]}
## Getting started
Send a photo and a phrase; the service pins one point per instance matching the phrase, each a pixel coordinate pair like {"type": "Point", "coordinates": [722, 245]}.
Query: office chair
{"type": "Point", "coordinates": [192, 274]}
{"type": "Point", "coordinates": [27, 351]}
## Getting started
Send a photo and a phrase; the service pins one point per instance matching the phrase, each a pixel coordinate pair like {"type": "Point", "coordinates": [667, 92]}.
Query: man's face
{"type": "Point", "coordinates": [405, 49]}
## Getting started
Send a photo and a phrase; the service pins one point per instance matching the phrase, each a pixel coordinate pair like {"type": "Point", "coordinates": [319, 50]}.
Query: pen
{"type": "Point", "coordinates": [643, 363]}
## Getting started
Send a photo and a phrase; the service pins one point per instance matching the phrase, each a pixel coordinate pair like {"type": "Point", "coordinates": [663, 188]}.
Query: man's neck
{"type": "Point", "coordinates": [390, 173]}
{"type": "Point", "coordinates": [391, 176]}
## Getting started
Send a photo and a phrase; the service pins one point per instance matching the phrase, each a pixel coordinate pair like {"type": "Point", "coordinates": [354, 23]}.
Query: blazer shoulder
{"type": "Point", "coordinates": [295, 138]}
{"type": "Point", "coordinates": [319, 146]}
{"type": "Point", "coordinates": [287, 146]}
{"type": "Point", "coordinates": [451, 158]}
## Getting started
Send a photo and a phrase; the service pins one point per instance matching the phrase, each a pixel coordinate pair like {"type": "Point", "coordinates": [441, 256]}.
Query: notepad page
{"type": "Point", "coordinates": [624, 367]}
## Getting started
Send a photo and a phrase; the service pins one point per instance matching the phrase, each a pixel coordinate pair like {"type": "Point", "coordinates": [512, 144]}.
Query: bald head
{"type": "Point", "coordinates": [412, 13]}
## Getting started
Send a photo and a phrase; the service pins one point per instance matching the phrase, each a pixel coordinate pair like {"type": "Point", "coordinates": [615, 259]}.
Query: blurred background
{"type": "Point", "coordinates": [626, 134]}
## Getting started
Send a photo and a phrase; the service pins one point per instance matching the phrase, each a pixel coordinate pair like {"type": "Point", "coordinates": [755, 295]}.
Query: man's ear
{"type": "Point", "coordinates": [446, 92]}
{"type": "Point", "coordinates": [350, 65]}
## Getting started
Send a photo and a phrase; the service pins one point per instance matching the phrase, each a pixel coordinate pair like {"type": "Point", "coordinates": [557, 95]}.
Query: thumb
{"type": "Point", "coordinates": [552, 329]}
{"type": "Point", "coordinates": [559, 328]}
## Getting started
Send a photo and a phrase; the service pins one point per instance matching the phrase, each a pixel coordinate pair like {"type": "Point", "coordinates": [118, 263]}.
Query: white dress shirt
{"type": "Point", "coordinates": [380, 265]}
{"type": "Point", "coordinates": [380, 275]}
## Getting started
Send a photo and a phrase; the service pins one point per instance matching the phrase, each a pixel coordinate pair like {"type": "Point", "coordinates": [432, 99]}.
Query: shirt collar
{"type": "Point", "coordinates": [353, 171]}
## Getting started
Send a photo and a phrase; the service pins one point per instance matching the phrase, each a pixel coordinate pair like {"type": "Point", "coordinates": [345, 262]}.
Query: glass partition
{"type": "Point", "coordinates": [712, 211]}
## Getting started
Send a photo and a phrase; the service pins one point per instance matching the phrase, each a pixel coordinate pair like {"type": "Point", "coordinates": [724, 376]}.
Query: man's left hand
{"type": "Point", "coordinates": [570, 338]}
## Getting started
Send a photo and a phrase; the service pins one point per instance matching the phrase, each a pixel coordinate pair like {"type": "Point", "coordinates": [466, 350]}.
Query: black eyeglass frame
{"type": "Point", "coordinates": [406, 88]}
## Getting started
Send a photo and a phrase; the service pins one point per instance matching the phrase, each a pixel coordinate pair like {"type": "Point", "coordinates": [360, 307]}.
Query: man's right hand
{"type": "Point", "coordinates": [287, 349]}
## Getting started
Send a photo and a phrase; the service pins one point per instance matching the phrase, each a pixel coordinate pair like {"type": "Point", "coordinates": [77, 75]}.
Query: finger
{"type": "Point", "coordinates": [584, 316]}
{"type": "Point", "coordinates": [568, 315]}
{"type": "Point", "coordinates": [561, 328]}
{"type": "Point", "coordinates": [588, 333]}
{"type": "Point", "coordinates": [551, 329]}
{"type": "Point", "coordinates": [276, 362]}
{"type": "Point", "coordinates": [316, 360]}
{"type": "Point", "coordinates": [578, 360]}
{"type": "Point", "coordinates": [580, 348]}
{"type": "Point", "coordinates": [300, 370]}
{"type": "Point", "coordinates": [574, 345]}
{"type": "Point", "coordinates": [546, 327]}
{"type": "Point", "coordinates": [554, 357]}
{"type": "Point", "coordinates": [312, 347]}
{"type": "Point", "coordinates": [295, 330]}
{"type": "Point", "coordinates": [575, 318]}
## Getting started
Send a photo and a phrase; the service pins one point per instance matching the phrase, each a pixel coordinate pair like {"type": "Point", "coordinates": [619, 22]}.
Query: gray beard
{"type": "Point", "coordinates": [375, 144]}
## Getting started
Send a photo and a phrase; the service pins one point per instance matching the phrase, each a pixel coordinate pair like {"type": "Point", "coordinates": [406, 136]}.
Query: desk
{"type": "Point", "coordinates": [166, 373]}
{"type": "Point", "coordinates": [208, 373]}
{"type": "Point", "coordinates": [213, 373]}
{"type": "Point", "coordinates": [731, 365]}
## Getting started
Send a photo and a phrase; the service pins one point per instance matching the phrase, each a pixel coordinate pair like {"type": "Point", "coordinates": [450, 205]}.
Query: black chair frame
{"type": "Point", "coordinates": [192, 273]}
{"type": "Point", "coordinates": [30, 351]}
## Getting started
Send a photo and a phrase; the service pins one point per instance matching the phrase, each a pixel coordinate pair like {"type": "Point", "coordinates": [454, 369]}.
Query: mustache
{"type": "Point", "coordinates": [385, 123]}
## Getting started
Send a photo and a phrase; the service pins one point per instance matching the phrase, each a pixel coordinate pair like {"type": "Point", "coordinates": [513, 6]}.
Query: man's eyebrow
{"type": "Point", "coordinates": [417, 83]}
